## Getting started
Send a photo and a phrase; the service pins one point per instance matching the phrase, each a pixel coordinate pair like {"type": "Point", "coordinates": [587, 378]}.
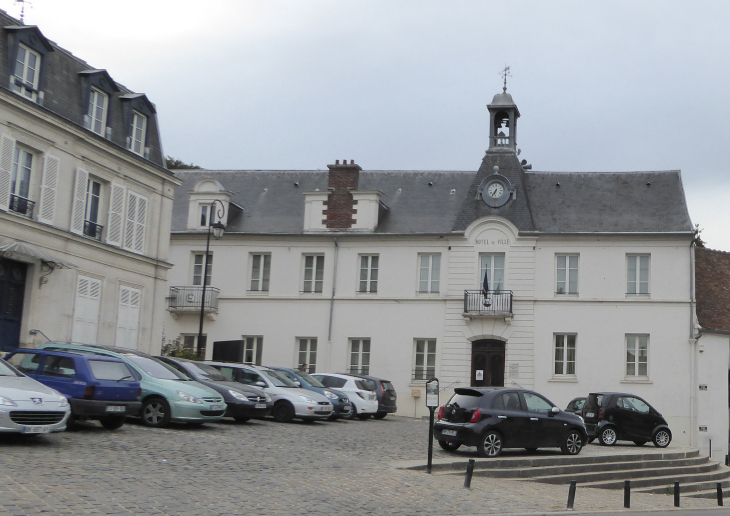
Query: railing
{"type": "Point", "coordinates": [22, 205]}
{"type": "Point", "coordinates": [190, 298]}
{"type": "Point", "coordinates": [423, 373]}
{"type": "Point", "coordinates": [93, 230]}
{"type": "Point", "coordinates": [501, 141]}
{"type": "Point", "coordinates": [496, 302]}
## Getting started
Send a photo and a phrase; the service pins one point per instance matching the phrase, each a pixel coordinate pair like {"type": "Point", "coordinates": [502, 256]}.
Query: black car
{"type": "Point", "coordinates": [575, 406]}
{"type": "Point", "coordinates": [496, 418]}
{"type": "Point", "coordinates": [385, 392]}
{"type": "Point", "coordinates": [619, 416]}
{"type": "Point", "coordinates": [243, 402]}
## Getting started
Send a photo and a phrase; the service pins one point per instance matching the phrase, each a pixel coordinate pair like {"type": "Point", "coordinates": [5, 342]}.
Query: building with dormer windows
{"type": "Point", "coordinates": [85, 201]}
{"type": "Point", "coordinates": [590, 279]}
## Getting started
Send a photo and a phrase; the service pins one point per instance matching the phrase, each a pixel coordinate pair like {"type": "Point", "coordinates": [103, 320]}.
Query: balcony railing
{"type": "Point", "coordinates": [189, 299]}
{"type": "Point", "coordinates": [496, 302]}
{"type": "Point", "coordinates": [501, 141]}
{"type": "Point", "coordinates": [93, 230]}
{"type": "Point", "coordinates": [22, 205]}
{"type": "Point", "coordinates": [423, 373]}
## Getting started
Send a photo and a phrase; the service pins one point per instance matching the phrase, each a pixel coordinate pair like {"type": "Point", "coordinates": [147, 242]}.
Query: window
{"type": "Point", "coordinates": [493, 266]}
{"type": "Point", "coordinates": [507, 401]}
{"type": "Point", "coordinates": [567, 274]}
{"type": "Point", "coordinates": [637, 274]}
{"type": "Point", "coordinates": [190, 343]}
{"type": "Point", "coordinates": [198, 265]}
{"type": "Point", "coordinates": [260, 270]}
{"type": "Point", "coordinates": [206, 210]}
{"type": "Point", "coordinates": [139, 130]}
{"type": "Point", "coordinates": [424, 359]}
{"type": "Point", "coordinates": [20, 182]}
{"type": "Point", "coordinates": [368, 273]}
{"type": "Point", "coordinates": [307, 355]}
{"type": "Point", "coordinates": [637, 355]}
{"type": "Point", "coordinates": [252, 350]}
{"type": "Point", "coordinates": [91, 217]}
{"type": "Point", "coordinates": [97, 111]}
{"type": "Point", "coordinates": [564, 354]}
{"type": "Point", "coordinates": [26, 363]}
{"type": "Point", "coordinates": [27, 72]}
{"type": "Point", "coordinates": [633, 404]}
{"type": "Point", "coordinates": [359, 356]}
{"type": "Point", "coordinates": [136, 225]}
{"type": "Point", "coordinates": [107, 370]}
{"type": "Point", "coordinates": [313, 273]}
{"type": "Point", "coordinates": [536, 403]}
{"type": "Point", "coordinates": [63, 367]}
{"type": "Point", "coordinates": [429, 273]}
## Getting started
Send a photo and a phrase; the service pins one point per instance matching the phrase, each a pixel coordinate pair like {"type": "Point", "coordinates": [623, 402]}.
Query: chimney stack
{"type": "Point", "coordinates": [343, 178]}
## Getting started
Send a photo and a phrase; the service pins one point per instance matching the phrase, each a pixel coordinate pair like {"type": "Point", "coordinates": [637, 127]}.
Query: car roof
{"type": "Point", "coordinates": [610, 393]}
{"type": "Point", "coordinates": [366, 377]}
{"type": "Point", "coordinates": [91, 347]}
{"type": "Point", "coordinates": [69, 353]}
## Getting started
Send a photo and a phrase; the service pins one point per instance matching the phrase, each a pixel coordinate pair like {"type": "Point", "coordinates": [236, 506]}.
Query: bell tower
{"type": "Point", "coordinates": [503, 115]}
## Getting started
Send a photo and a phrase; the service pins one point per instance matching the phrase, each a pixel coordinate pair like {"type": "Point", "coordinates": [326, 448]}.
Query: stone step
{"type": "Point", "coordinates": [635, 475]}
{"type": "Point", "coordinates": [691, 487]}
{"type": "Point", "coordinates": [659, 480]}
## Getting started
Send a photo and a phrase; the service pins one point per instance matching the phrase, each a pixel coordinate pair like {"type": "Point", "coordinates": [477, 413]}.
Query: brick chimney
{"type": "Point", "coordinates": [340, 206]}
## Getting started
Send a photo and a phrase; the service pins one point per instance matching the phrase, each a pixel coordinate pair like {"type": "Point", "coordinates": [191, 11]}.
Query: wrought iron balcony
{"type": "Point", "coordinates": [22, 205]}
{"type": "Point", "coordinates": [189, 299]}
{"type": "Point", "coordinates": [497, 303]}
{"type": "Point", "coordinates": [423, 373]}
{"type": "Point", "coordinates": [93, 230]}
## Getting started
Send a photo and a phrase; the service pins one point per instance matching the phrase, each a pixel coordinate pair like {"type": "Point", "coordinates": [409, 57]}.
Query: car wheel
{"type": "Point", "coordinates": [380, 415]}
{"type": "Point", "coordinates": [639, 443]}
{"type": "Point", "coordinates": [608, 436]}
{"type": "Point", "coordinates": [283, 412]}
{"type": "Point", "coordinates": [490, 445]}
{"type": "Point", "coordinates": [363, 416]}
{"type": "Point", "coordinates": [241, 419]}
{"type": "Point", "coordinates": [155, 413]}
{"type": "Point", "coordinates": [572, 444]}
{"type": "Point", "coordinates": [112, 422]}
{"type": "Point", "coordinates": [449, 446]}
{"type": "Point", "coordinates": [662, 438]}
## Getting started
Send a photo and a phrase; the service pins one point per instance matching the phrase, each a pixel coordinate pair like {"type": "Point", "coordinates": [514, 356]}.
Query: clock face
{"type": "Point", "coordinates": [495, 190]}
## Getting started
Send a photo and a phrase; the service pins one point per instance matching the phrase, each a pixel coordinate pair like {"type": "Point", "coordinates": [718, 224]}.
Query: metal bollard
{"type": "Point", "coordinates": [710, 448]}
{"type": "Point", "coordinates": [719, 494]}
{"type": "Point", "coordinates": [727, 459]}
{"type": "Point", "coordinates": [627, 494]}
{"type": "Point", "coordinates": [469, 473]}
{"type": "Point", "coordinates": [571, 494]}
{"type": "Point", "coordinates": [676, 494]}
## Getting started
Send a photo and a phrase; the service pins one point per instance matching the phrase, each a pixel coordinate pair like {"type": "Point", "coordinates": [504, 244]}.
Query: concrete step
{"type": "Point", "coordinates": [635, 475]}
{"type": "Point", "coordinates": [659, 479]}
{"type": "Point", "coordinates": [691, 488]}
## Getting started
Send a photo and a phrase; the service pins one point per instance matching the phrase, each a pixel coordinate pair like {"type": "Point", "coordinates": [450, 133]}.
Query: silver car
{"type": "Point", "coordinates": [28, 406]}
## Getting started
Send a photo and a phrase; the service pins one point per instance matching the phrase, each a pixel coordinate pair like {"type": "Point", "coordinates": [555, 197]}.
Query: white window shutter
{"type": "Point", "coordinates": [86, 310]}
{"type": "Point", "coordinates": [6, 165]}
{"type": "Point", "coordinates": [116, 215]}
{"type": "Point", "coordinates": [48, 189]}
{"type": "Point", "coordinates": [129, 223]}
{"type": "Point", "coordinates": [128, 317]}
{"type": "Point", "coordinates": [141, 223]}
{"type": "Point", "coordinates": [79, 202]}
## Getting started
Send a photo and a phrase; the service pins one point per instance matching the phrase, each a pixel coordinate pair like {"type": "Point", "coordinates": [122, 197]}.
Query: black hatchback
{"type": "Point", "coordinates": [619, 416]}
{"type": "Point", "coordinates": [498, 418]}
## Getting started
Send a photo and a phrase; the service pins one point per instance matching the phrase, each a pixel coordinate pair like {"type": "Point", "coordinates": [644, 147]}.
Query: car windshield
{"type": "Point", "coordinates": [108, 370]}
{"type": "Point", "coordinates": [155, 368]}
{"type": "Point", "coordinates": [8, 370]}
{"type": "Point", "coordinates": [365, 385]}
{"type": "Point", "coordinates": [388, 386]}
{"type": "Point", "coordinates": [311, 380]}
{"type": "Point", "coordinates": [277, 378]}
{"type": "Point", "coordinates": [208, 372]}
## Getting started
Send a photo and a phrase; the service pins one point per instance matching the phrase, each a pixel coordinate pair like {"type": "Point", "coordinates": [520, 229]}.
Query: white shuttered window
{"type": "Point", "coordinates": [48, 189]}
{"type": "Point", "coordinates": [6, 167]}
{"type": "Point", "coordinates": [116, 215]}
{"type": "Point", "coordinates": [79, 202]}
{"type": "Point", "coordinates": [86, 310]}
{"type": "Point", "coordinates": [136, 223]}
{"type": "Point", "coordinates": [128, 317]}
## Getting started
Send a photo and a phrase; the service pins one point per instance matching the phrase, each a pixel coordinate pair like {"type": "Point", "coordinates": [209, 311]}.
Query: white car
{"type": "Point", "coordinates": [365, 402]}
{"type": "Point", "coordinates": [290, 400]}
{"type": "Point", "coordinates": [28, 406]}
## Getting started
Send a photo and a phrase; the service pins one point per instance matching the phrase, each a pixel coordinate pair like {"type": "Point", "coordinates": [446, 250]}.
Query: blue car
{"type": "Point", "coordinates": [340, 402]}
{"type": "Point", "coordinates": [102, 388]}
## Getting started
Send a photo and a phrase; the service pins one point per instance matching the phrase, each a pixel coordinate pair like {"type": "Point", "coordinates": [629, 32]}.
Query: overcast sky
{"type": "Point", "coordinates": [403, 84]}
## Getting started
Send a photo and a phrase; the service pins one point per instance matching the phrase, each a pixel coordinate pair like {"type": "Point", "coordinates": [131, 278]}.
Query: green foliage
{"type": "Point", "coordinates": [697, 239]}
{"type": "Point", "coordinates": [174, 163]}
{"type": "Point", "coordinates": [174, 348]}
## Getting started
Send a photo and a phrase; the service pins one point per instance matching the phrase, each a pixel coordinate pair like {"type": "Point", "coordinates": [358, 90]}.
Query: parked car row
{"type": "Point", "coordinates": [94, 382]}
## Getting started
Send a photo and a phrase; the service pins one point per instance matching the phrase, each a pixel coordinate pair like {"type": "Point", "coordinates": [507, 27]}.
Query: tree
{"type": "Point", "coordinates": [174, 163]}
{"type": "Point", "coordinates": [697, 239]}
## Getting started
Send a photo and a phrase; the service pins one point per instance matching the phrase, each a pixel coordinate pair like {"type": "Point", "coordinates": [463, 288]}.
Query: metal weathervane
{"type": "Point", "coordinates": [505, 73]}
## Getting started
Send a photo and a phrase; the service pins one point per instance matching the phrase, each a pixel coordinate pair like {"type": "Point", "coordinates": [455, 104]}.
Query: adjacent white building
{"type": "Point", "coordinates": [590, 279]}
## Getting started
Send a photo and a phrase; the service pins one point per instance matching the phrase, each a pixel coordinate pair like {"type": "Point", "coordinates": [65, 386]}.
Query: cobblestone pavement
{"type": "Point", "coordinates": [265, 468]}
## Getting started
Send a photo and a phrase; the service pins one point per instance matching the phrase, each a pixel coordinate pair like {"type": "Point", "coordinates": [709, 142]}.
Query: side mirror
{"type": "Point", "coordinates": [260, 384]}
{"type": "Point", "coordinates": [555, 410]}
{"type": "Point", "coordinates": [297, 383]}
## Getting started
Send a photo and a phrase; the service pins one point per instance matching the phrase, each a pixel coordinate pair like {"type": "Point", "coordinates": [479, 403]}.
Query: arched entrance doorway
{"type": "Point", "coordinates": [487, 363]}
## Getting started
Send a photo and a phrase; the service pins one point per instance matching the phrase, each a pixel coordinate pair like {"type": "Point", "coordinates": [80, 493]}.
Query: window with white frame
{"type": "Point", "coordinates": [564, 364]}
{"type": "Point", "coordinates": [429, 273]}
{"type": "Point", "coordinates": [637, 273]}
{"type": "Point", "coordinates": [424, 359]}
{"type": "Point", "coordinates": [139, 131]}
{"type": "Point", "coordinates": [260, 271]}
{"type": "Point", "coordinates": [20, 182]}
{"type": "Point", "coordinates": [198, 264]}
{"type": "Point", "coordinates": [190, 343]}
{"type": "Point", "coordinates": [253, 348]}
{"type": "Point", "coordinates": [27, 72]}
{"type": "Point", "coordinates": [91, 216]}
{"type": "Point", "coordinates": [567, 274]}
{"type": "Point", "coordinates": [313, 273]}
{"type": "Point", "coordinates": [637, 355]}
{"type": "Point", "coordinates": [206, 212]}
{"type": "Point", "coordinates": [368, 273]}
{"type": "Point", "coordinates": [307, 357]}
{"type": "Point", "coordinates": [97, 111]}
{"type": "Point", "coordinates": [493, 266]}
{"type": "Point", "coordinates": [359, 362]}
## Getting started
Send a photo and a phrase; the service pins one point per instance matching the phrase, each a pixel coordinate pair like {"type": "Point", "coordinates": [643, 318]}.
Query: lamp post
{"type": "Point", "coordinates": [218, 229]}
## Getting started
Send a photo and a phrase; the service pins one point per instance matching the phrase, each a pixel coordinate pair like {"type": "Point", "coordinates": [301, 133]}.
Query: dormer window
{"type": "Point", "coordinates": [139, 130]}
{"type": "Point", "coordinates": [97, 111]}
{"type": "Point", "coordinates": [27, 72]}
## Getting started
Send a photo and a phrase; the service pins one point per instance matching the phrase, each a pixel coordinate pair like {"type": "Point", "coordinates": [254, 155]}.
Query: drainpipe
{"type": "Point", "coordinates": [693, 351]}
{"type": "Point", "coordinates": [332, 308]}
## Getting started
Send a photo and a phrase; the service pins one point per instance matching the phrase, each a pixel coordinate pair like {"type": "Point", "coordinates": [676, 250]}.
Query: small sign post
{"type": "Point", "coordinates": [432, 401]}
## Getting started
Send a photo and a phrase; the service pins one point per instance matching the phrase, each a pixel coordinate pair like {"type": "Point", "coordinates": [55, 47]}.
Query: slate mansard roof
{"type": "Point", "coordinates": [590, 202]}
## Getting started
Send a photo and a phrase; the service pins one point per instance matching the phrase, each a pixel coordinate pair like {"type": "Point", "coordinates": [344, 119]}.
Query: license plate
{"type": "Point", "coordinates": [116, 408]}
{"type": "Point", "coordinates": [260, 405]}
{"type": "Point", "coordinates": [392, 398]}
{"type": "Point", "coordinates": [216, 407]}
{"type": "Point", "coordinates": [36, 430]}
{"type": "Point", "coordinates": [449, 432]}
{"type": "Point", "coordinates": [590, 414]}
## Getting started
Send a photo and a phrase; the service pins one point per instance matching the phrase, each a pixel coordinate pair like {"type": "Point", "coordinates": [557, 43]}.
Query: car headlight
{"type": "Point", "coordinates": [7, 402]}
{"type": "Point", "coordinates": [238, 395]}
{"type": "Point", "coordinates": [62, 402]}
{"type": "Point", "coordinates": [267, 397]}
{"type": "Point", "coordinates": [330, 395]}
{"type": "Point", "coordinates": [189, 397]}
{"type": "Point", "coordinates": [308, 399]}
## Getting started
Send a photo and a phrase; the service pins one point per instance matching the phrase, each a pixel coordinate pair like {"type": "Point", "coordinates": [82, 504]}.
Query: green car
{"type": "Point", "coordinates": [167, 395]}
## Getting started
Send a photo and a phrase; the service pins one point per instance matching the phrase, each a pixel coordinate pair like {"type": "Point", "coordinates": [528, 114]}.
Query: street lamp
{"type": "Point", "coordinates": [218, 229]}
